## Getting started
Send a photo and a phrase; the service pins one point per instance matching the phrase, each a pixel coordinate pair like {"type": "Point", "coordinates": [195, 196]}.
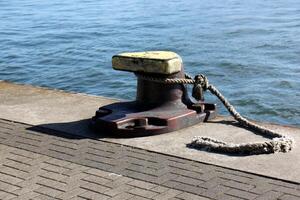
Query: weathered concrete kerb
{"type": "Point", "coordinates": [47, 151]}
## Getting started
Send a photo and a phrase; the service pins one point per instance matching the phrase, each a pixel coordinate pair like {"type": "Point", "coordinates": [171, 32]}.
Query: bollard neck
{"type": "Point", "coordinates": [150, 93]}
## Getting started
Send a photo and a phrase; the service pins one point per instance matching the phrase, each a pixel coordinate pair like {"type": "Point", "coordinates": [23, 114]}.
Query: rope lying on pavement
{"type": "Point", "coordinates": [278, 143]}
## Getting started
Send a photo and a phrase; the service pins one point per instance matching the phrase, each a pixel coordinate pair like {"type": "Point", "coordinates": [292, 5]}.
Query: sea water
{"type": "Point", "coordinates": [250, 50]}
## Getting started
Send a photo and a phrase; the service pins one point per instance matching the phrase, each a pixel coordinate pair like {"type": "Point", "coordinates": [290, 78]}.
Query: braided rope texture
{"type": "Point", "coordinates": [278, 142]}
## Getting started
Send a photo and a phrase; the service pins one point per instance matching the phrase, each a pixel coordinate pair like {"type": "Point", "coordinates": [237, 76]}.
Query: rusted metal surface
{"type": "Point", "coordinates": [158, 108]}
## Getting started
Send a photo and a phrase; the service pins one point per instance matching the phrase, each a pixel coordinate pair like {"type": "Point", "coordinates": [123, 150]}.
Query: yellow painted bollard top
{"type": "Point", "coordinates": [159, 62]}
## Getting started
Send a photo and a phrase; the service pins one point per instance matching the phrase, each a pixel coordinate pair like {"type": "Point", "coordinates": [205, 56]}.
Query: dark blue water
{"type": "Point", "coordinates": [249, 49]}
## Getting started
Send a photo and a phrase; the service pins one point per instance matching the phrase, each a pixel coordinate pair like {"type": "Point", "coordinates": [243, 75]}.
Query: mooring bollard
{"type": "Point", "coordinates": [162, 105]}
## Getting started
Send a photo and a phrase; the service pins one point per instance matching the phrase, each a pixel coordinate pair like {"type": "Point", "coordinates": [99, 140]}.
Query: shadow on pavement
{"type": "Point", "coordinates": [70, 130]}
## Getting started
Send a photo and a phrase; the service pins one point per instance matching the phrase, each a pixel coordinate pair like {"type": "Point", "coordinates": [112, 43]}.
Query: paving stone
{"type": "Point", "coordinates": [215, 191]}
{"type": "Point", "coordinates": [60, 163]}
{"type": "Point", "coordinates": [65, 144]}
{"type": "Point", "coordinates": [53, 168]}
{"type": "Point", "coordinates": [6, 195]}
{"type": "Point", "coordinates": [204, 167]}
{"type": "Point", "coordinates": [72, 193]}
{"type": "Point", "coordinates": [122, 196]}
{"type": "Point", "coordinates": [238, 185]}
{"type": "Point", "coordinates": [188, 196]}
{"type": "Point", "coordinates": [74, 171]}
{"type": "Point", "coordinates": [77, 198]}
{"type": "Point", "coordinates": [94, 187]}
{"type": "Point", "coordinates": [139, 175]}
{"type": "Point", "coordinates": [287, 190]}
{"type": "Point", "coordinates": [118, 182]}
{"type": "Point", "coordinates": [269, 195]}
{"type": "Point", "coordinates": [26, 196]}
{"type": "Point", "coordinates": [283, 183]}
{"type": "Point", "coordinates": [52, 184]}
{"type": "Point", "coordinates": [261, 187]}
{"type": "Point", "coordinates": [20, 159]}
{"type": "Point", "coordinates": [93, 195]}
{"type": "Point", "coordinates": [167, 194]}
{"type": "Point", "coordinates": [27, 186]}
{"type": "Point", "coordinates": [167, 177]}
{"type": "Point", "coordinates": [44, 197]}
{"type": "Point", "coordinates": [8, 187]}
{"type": "Point", "coordinates": [51, 192]}
{"type": "Point", "coordinates": [25, 154]}
{"type": "Point", "coordinates": [182, 172]}
{"type": "Point", "coordinates": [142, 192]}
{"type": "Point", "coordinates": [227, 197]}
{"type": "Point", "coordinates": [210, 175]}
{"type": "Point", "coordinates": [139, 198]}
{"type": "Point", "coordinates": [241, 194]}
{"type": "Point", "coordinates": [159, 189]}
{"type": "Point", "coordinates": [289, 197]}
{"type": "Point", "coordinates": [100, 173]}
{"type": "Point", "coordinates": [141, 184]}
{"type": "Point", "coordinates": [212, 182]}
{"type": "Point", "coordinates": [235, 177]}
{"type": "Point", "coordinates": [189, 188]}
{"type": "Point", "coordinates": [170, 184]}
{"type": "Point", "coordinates": [95, 179]}
{"type": "Point", "coordinates": [52, 175]}
{"type": "Point", "coordinates": [9, 178]}
{"type": "Point", "coordinates": [118, 190]}
{"type": "Point", "coordinates": [189, 181]}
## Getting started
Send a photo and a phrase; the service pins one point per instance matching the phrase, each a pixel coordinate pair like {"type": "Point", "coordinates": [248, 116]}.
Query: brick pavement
{"type": "Point", "coordinates": [46, 164]}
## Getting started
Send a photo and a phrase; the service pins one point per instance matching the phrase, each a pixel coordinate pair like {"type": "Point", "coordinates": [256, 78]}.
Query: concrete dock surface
{"type": "Point", "coordinates": [48, 152]}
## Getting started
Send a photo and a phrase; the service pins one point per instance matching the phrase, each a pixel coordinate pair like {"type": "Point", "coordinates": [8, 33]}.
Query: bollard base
{"type": "Point", "coordinates": [127, 119]}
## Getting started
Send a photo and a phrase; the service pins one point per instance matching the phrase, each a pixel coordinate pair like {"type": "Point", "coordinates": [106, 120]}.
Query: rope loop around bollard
{"type": "Point", "coordinates": [278, 143]}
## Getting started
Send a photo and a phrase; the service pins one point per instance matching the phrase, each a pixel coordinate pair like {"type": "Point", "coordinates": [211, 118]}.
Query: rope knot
{"type": "Point", "coordinates": [200, 85]}
{"type": "Point", "coordinates": [202, 80]}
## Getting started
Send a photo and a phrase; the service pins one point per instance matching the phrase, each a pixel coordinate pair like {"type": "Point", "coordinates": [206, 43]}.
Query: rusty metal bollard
{"type": "Point", "coordinates": [158, 108]}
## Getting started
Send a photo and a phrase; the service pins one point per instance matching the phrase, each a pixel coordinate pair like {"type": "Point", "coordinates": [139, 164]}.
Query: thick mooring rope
{"type": "Point", "coordinates": [278, 143]}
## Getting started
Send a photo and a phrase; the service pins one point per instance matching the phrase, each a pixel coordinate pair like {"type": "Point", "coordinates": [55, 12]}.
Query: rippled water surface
{"type": "Point", "coordinates": [249, 49]}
